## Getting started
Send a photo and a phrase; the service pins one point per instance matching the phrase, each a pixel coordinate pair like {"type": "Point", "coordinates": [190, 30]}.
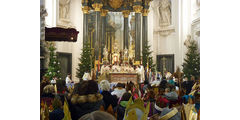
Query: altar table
{"type": "Point", "coordinates": [123, 77]}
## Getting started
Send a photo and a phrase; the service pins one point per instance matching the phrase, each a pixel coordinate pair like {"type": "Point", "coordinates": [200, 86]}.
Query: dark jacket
{"type": "Point", "coordinates": [47, 98]}
{"type": "Point", "coordinates": [120, 112]}
{"type": "Point", "coordinates": [78, 110]}
{"type": "Point", "coordinates": [188, 86]}
{"type": "Point", "coordinates": [56, 114]}
{"type": "Point", "coordinates": [109, 100]}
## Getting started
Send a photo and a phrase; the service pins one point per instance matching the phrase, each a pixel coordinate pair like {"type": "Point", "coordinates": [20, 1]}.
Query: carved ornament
{"type": "Point", "coordinates": [137, 8]}
{"type": "Point", "coordinates": [126, 13]}
{"type": "Point", "coordinates": [115, 3]}
{"type": "Point", "coordinates": [104, 12]}
{"type": "Point", "coordinates": [145, 12]}
{"type": "Point", "coordinates": [85, 9]}
{"type": "Point", "coordinates": [97, 6]}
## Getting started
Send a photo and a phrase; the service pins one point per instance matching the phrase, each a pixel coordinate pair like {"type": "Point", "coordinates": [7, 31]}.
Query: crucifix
{"type": "Point", "coordinates": [164, 63]}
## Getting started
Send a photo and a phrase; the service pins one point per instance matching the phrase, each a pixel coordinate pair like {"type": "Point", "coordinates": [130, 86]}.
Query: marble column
{"type": "Point", "coordinates": [85, 25]}
{"type": "Point", "coordinates": [126, 29]}
{"type": "Point", "coordinates": [97, 7]}
{"type": "Point", "coordinates": [137, 9]}
{"type": "Point", "coordinates": [103, 30]}
{"type": "Point", "coordinates": [145, 28]}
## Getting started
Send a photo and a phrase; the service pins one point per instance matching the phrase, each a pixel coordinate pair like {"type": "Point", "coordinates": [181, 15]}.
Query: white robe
{"type": "Point", "coordinates": [119, 92]}
{"type": "Point", "coordinates": [142, 73]}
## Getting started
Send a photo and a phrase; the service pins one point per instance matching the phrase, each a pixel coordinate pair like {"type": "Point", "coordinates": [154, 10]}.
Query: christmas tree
{"type": "Point", "coordinates": [85, 61]}
{"type": "Point", "coordinates": [191, 65]}
{"type": "Point", "coordinates": [147, 59]}
{"type": "Point", "coordinates": [54, 65]}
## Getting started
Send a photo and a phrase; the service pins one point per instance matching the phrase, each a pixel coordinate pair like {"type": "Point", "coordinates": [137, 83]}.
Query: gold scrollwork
{"type": "Point", "coordinates": [145, 12]}
{"type": "Point", "coordinates": [115, 3]}
{"type": "Point", "coordinates": [97, 6]}
{"type": "Point", "coordinates": [126, 13]}
{"type": "Point", "coordinates": [104, 12]}
{"type": "Point", "coordinates": [84, 1]}
{"type": "Point", "coordinates": [137, 8]}
{"type": "Point", "coordinates": [85, 9]}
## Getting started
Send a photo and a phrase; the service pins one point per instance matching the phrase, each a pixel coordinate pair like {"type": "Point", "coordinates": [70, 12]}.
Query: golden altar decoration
{"type": "Point", "coordinates": [115, 3]}
{"type": "Point", "coordinates": [115, 54]}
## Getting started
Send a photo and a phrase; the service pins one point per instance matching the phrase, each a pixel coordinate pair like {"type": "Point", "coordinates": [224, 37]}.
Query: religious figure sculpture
{"type": "Point", "coordinates": [165, 12]}
{"type": "Point", "coordinates": [64, 7]}
{"type": "Point", "coordinates": [187, 41]}
{"type": "Point", "coordinates": [105, 54]}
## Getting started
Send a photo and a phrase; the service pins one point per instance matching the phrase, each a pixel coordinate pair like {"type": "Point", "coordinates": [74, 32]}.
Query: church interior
{"type": "Point", "coordinates": [120, 59]}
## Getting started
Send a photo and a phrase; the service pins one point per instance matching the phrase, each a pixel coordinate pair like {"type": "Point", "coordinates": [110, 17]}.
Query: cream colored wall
{"type": "Point", "coordinates": [184, 12]}
{"type": "Point", "coordinates": [76, 17]}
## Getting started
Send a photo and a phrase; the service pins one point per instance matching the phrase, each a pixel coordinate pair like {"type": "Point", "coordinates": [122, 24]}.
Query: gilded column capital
{"type": "Point", "coordinates": [84, 1]}
{"type": "Point", "coordinates": [145, 12]}
{"type": "Point", "coordinates": [85, 9]}
{"type": "Point", "coordinates": [126, 13]}
{"type": "Point", "coordinates": [137, 8]}
{"type": "Point", "coordinates": [104, 12]}
{"type": "Point", "coordinates": [97, 6]}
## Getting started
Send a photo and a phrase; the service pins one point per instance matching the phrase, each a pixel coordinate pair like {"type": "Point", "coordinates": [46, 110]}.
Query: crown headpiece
{"type": "Point", "coordinates": [136, 110]}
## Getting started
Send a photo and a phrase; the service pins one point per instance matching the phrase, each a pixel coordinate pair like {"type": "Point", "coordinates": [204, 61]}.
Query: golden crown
{"type": "Point", "coordinates": [130, 112]}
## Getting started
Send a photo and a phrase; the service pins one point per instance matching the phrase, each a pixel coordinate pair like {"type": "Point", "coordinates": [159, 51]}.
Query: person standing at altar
{"type": "Point", "coordinates": [138, 71]}
{"type": "Point", "coordinates": [142, 75]}
{"type": "Point", "coordinates": [115, 68]}
{"type": "Point", "coordinates": [53, 81]}
{"type": "Point", "coordinates": [69, 82]}
{"type": "Point", "coordinates": [150, 75]}
{"type": "Point", "coordinates": [107, 69]}
{"type": "Point", "coordinates": [131, 69]}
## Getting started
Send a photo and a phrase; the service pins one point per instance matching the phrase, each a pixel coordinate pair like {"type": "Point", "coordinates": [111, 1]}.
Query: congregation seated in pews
{"type": "Point", "coordinates": [90, 99]}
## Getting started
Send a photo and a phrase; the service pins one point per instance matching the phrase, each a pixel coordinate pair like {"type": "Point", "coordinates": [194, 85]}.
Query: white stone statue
{"type": "Point", "coordinates": [165, 12]}
{"type": "Point", "coordinates": [64, 7]}
{"type": "Point", "coordinates": [105, 53]}
{"type": "Point", "coordinates": [116, 48]}
{"type": "Point", "coordinates": [187, 41]}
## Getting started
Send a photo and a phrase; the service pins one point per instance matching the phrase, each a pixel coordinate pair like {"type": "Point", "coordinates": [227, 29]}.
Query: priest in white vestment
{"type": "Point", "coordinates": [142, 71]}
{"type": "Point", "coordinates": [115, 68]}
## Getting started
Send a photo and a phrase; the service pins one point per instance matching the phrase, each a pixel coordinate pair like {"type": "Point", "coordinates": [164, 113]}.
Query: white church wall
{"type": "Point", "coordinates": [77, 22]}
{"type": "Point", "coordinates": [174, 42]}
{"type": "Point", "coordinates": [164, 44]}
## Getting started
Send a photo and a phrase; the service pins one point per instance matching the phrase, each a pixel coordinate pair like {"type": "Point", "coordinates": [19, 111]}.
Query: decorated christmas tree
{"type": "Point", "coordinates": [191, 65]}
{"type": "Point", "coordinates": [54, 65]}
{"type": "Point", "coordinates": [147, 59]}
{"type": "Point", "coordinates": [85, 61]}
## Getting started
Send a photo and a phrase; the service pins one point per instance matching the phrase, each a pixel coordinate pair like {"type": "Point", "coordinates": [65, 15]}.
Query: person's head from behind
{"type": "Point", "coordinates": [97, 115]}
{"type": "Point", "coordinates": [49, 89]}
{"type": "Point", "coordinates": [172, 87]}
{"type": "Point", "coordinates": [120, 85]}
{"type": "Point", "coordinates": [69, 75]}
{"type": "Point", "coordinates": [146, 82]}
{"type": "Point", "coordinates": [192, 78]}
{"type": "Point", "coordinates": [126, 96]}
{"type": "Point", "coordinates": [57, 104]}
{"type": "Point", "coordinates": [161, 91]}
{"type": "Point", "coordinates": [167, 89]}
{"type": "Point", "coordinates": [92, 87]}
{"type": "Point", "coordinates": [129, 86]}
{"type": "Point", "coordinates": [104, 85]}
